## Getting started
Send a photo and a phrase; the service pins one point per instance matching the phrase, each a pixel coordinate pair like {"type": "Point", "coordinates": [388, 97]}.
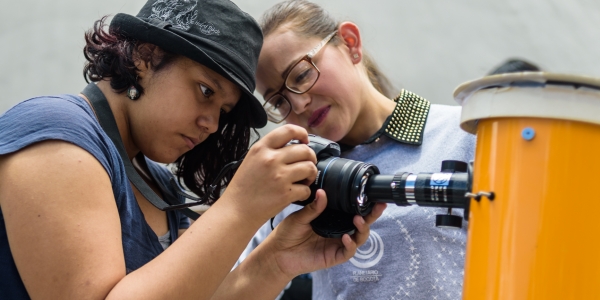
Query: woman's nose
{"type": "Point", "coordinates": [210, 121]}
{"type": "Point", "coordinates": [299, 102]}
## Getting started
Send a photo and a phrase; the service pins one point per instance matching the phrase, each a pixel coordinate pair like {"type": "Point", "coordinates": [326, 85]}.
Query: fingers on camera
{"type": "Point", "coordinates": [281, 136]}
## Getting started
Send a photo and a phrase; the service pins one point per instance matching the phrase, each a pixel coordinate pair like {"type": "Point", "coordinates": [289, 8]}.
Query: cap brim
{"type": "Point", "coordinates": [258, 113]}
{"type": "Point", "coordinates": [170, 41]}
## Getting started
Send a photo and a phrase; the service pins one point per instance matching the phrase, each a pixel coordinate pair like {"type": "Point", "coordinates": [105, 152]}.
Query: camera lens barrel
{"type": "Point", "coordinates": [344, 180]}
{"type": "Point", "coordinates": [423, 189]}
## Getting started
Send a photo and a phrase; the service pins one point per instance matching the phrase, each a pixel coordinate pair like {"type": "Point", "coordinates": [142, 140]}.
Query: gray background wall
{"type": "Point", "coordinates": [428, 47]}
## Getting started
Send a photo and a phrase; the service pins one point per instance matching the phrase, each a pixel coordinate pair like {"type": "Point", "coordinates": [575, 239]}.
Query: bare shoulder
{"type": "Point", "coordinates": [61, 220]}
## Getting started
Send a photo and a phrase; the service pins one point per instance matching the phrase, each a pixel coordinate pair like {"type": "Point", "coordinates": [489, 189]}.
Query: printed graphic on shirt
{"type": "Point", "coordinates": [370, 253]}
{"type": "Point", "coordinates": [367, 256]}
{"type": "Point", "coordinates": [181, 14]}
{"type": "Point", "coordinates": [410, 261]}
{"type": "Point", "coordinates": [408, 282]}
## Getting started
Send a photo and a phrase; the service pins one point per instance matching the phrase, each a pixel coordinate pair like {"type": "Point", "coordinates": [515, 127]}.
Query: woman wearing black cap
{"type": "Point", "coordinates": [78, 183]}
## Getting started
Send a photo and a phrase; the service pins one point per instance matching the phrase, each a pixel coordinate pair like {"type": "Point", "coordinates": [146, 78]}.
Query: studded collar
{"type": "Point", "coordinates": [406, 123]}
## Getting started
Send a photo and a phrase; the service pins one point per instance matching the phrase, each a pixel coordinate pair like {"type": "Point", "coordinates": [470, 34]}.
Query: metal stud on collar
{"type": "Point", "coordinates": [408, 119]}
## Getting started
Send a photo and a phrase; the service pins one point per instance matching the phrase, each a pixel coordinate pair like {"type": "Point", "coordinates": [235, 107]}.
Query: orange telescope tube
{"type": "Point", "coordinates": [538, 150]}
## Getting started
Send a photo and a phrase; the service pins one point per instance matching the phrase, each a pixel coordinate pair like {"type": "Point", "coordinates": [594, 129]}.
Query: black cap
{"type": "Point", "coordinates": [215, 33]}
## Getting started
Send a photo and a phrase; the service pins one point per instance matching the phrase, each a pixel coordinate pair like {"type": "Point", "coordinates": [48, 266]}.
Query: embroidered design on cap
{"type": "Point", "coordinates": [208, 28]}
{"type": "Point", "coordinates": [407, 122]}
{"type": "Point", "coordinates": [181, 14]}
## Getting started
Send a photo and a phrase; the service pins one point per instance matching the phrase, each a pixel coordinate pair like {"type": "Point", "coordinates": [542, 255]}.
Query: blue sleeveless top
{"type": "Point", "coordinates": [69, 118]}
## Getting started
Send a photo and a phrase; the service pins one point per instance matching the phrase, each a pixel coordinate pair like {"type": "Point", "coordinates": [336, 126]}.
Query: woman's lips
{"type": "Point", "coordinates": [191, 143]}
{"type": "Point", "coordinates": [318, 116]}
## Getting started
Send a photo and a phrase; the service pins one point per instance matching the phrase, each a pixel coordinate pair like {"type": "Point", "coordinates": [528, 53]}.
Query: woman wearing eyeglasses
{"type": "Point", "coordinates": [313, 72]}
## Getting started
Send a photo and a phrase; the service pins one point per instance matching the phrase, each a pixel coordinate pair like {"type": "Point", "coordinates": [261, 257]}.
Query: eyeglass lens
{"type": "Point", "coordinates": [277, 108]}
{"type": "Point", "coordinates": [300, 79]}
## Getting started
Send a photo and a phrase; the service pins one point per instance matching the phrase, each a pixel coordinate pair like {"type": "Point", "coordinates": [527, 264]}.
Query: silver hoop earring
{"type": "Point", "coordinates": [133, 93]}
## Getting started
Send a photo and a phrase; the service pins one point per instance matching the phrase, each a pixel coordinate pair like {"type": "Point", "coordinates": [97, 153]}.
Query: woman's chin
{"type": "Point", "coordinates": [163, 158]}
{"type": "Point", "coordinates": [333, 136]}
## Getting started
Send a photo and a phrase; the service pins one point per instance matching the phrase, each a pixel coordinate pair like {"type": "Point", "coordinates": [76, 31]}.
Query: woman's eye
{"type": "Point", "coordinates": [207, 92]}
{"type": "Point", "coordinates": [302, 77]}
{"type": "Point", "coordinates": [278, 103]}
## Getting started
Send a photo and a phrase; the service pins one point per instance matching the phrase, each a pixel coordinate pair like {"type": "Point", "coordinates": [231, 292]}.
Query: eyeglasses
{"type": "Point", "coordinates": [299, 80]}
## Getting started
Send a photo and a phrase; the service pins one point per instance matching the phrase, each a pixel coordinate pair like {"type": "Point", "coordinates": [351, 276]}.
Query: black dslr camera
{"type": "Point", "coordinates": [353, 188]}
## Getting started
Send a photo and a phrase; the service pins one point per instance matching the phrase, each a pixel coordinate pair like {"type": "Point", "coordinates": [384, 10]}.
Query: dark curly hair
{"type": "Point", "coordinates": [111, 55]}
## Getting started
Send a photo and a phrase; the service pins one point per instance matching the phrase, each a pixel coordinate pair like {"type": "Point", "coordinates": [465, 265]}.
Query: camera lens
{"type": "Point", "coordinates": [344, 180]}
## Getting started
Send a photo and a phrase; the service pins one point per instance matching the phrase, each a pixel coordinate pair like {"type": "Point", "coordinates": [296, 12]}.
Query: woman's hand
{"type": "Point", "coordinates": [298, 249]}
{"type": "Point", "coordinates": [273, 174]}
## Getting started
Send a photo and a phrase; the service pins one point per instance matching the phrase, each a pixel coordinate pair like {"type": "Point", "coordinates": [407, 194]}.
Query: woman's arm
{"type": "Point", "coordinates": [62, 221]}
{"type": "Point", "coordinates": [64, 230]}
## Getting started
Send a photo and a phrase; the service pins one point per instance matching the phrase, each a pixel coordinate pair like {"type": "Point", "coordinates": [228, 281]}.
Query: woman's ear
{"type": "Point", "coordinates": [351, 36]}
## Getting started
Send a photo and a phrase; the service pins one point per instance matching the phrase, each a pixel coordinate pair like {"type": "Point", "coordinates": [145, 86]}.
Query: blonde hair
{"type": "Point", "coordinates": [311, 20]}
